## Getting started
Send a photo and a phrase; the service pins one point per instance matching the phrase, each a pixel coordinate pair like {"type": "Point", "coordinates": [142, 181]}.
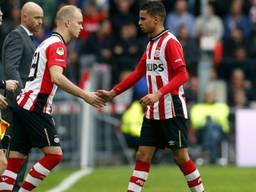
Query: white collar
{"type": "Point", "coordinates": [27, 31]}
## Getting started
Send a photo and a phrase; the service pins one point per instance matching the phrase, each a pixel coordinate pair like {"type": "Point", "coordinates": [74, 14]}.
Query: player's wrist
{"type": "Point", "coordinates": [159, 94]}
{"type": "Point", "coordinates": [113, 93]}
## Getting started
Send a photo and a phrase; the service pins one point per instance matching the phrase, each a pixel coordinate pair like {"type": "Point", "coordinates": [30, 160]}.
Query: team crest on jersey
{"type": "Point", "coordinates": [60, 51]}
{"type": "Point", "coordinates": [157, 53]}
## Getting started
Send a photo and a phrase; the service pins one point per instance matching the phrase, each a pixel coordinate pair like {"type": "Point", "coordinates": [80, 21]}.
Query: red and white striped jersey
{"type": "Point", "coordinates": [164, 65]}
{"type": "Point", "coordinates": [163, 55]}
{"type": "Point", "coordinates": [39, 90]}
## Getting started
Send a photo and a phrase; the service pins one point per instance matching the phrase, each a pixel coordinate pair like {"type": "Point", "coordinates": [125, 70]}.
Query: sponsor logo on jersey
{"type": "Point", "coordinates": [157, 53]}
{"type": "Point", "coordinates": [155, 67]}
{"type": "Point", "coordinates": [60, 51]}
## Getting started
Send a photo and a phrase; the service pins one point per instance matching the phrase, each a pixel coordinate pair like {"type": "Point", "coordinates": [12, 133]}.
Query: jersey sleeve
{"type": "Point", "coordinates": [135, 76]}
{"type": "Point", "coordinates": [174, 54]}
{"type": "Point", "coordinates": [56, 54]}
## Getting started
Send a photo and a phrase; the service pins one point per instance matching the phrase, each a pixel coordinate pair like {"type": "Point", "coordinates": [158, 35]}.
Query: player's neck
{"type": "Point", "coordinates": [63, 34]}
{"type": "Point", "coordinates": [157, 31]}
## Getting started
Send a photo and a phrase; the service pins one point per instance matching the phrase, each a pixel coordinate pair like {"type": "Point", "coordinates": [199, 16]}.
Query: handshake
{"type": "Point", "coordinates": [99, 98]}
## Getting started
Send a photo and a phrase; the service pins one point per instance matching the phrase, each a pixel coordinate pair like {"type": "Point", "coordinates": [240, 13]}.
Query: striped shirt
{"type": "Point", "coordinates": [39, 90]}
{"type": "Point", "coordinates": [162, 58]}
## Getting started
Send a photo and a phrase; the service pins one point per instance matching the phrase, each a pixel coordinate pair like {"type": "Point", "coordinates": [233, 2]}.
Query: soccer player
{"type": "Point", "coordinates": [34, 126]}
{"type": "Point", "coordinates": [164, 124]}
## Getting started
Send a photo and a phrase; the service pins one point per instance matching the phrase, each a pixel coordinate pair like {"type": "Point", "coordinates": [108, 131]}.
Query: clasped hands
{"type": "Point", "coordinates": [104, 96]}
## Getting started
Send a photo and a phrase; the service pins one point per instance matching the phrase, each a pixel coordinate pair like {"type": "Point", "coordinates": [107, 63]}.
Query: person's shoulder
{"type": "Point", "coordinates": [172, 38]}
{"type": "Point", "coordinates": [16, 32]}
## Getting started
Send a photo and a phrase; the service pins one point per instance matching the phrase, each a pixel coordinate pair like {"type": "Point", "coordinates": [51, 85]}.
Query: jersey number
{"type": "Point", "coordinates": [34, 67]}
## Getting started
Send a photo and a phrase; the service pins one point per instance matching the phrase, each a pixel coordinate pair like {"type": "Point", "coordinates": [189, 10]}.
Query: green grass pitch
{"type": "Point", "coordinates": [161, 179]}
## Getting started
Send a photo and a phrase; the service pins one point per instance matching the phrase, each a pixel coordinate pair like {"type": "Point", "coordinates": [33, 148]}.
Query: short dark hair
{"type": "Point", "coordinates": [154, 8]}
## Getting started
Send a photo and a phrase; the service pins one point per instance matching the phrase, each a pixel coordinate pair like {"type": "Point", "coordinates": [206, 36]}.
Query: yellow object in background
{"type": "Point", "coordinates": [3, 127]}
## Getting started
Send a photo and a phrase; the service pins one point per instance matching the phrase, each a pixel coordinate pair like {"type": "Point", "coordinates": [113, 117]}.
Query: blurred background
{"type": "Point", "coordinates": [219, 43]}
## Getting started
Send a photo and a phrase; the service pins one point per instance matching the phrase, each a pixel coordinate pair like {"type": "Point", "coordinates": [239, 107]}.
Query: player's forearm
{"type": "Point", "coordinates": [65, 84]}
{"type": "Point", "coordinates": [179, 79]}
{"type": "Point", "coordinates": [127, 83]}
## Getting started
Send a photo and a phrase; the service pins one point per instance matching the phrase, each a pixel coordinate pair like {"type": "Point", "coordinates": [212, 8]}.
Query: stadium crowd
{"type": "Point", "coordinates": [225, 30]}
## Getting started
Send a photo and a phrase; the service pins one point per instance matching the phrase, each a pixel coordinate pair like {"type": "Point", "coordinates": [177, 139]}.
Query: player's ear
{"type": "Point", "coordinates": [67, 23]}
{"type": "Point", "coordinates": [156, 19]}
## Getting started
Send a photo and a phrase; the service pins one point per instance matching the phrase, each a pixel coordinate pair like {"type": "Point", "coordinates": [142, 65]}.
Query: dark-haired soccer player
{"type": "Point", "coordinates": [165, 118]}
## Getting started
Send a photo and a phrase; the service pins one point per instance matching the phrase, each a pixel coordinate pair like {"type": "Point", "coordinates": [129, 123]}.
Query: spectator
{"type": "Point", "coordinates": [191, 91]}
{"type": "Point", "coordinates": [131, 124]}
{"type": "Point", "coordinates": [209, 29]}
{"type": "Point", "coordinates": [236, 19]}
{"type": "Point", "coordinates": [238, 83]}
{"type": "Point", "coordinates": [252, 16]}
{"type": "Point", "coordinates": [99, 43]}
{"type": "Point", "coordinates": [121, 14]}
{"type": "Point", "coordinates": [180, 17]}
{"type": "Point", "coordinates": [190, 49]}
{"type": "Point", "coordinates": [235, 40]}
{"type": "Point", "coordinates": [210, 122]}
{"type": "Point", "coordinates": [92, 18]}
{"type": "Point", "coordinates": [126, 50]}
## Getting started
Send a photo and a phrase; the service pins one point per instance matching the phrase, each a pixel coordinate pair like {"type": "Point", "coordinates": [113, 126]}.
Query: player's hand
{"type": "Point", "coordinates": [3, 102]}
{"type": "Point", "coordinates": [93, 99]}
{"type": "Point", "coordinates": [11, 85]}
{"type": "Point", "coordinates": [106, 95]}
{"type": "Point", "coordinates": [151, 98]}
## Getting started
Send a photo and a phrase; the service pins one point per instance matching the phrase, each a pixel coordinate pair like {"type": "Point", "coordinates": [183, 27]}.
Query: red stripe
{"type": "Point", "coordinates": [8, 180]}
{"type": "Point", "coordinates": [26, 97]}
{"type": "Point", "coordinates": [161, 108]}
{"type": "Point", "coordinates": [28, 186]}
{"type": "Point", "coordinates": [151, 108]}
{"type": "Point", "coordinates": [159, 44]}
{"type": "Point", "coordinates": [36, 174]}
{"type": "Point", "coordinates": [142, 166]}
{"type": "Point", "coordinates": [188, 167]}
{"type": "Point", "coordinates": [137, 181]}
{"type": "Point", "coordinates": [195, 182]}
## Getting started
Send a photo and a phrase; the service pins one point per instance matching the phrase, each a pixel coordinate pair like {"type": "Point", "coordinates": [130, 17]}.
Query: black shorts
{"type": "Point", "coordinates": [32, 129]}
{"type": "Point", "coordinates": [169, 133]}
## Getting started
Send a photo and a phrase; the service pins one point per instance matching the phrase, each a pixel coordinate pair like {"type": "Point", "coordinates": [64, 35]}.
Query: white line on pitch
{"type": "Point", "coordinates": [71, 180]}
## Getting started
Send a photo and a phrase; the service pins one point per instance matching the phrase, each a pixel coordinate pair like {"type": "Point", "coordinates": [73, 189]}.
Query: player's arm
{"type": "Point", "coordinates": [127, 83]}
{"type": "Point", "coordinates": [57, 77]}
{"type": "Point", "coordinates": [56, 57]}
{"type": "Point", "coordinates": [175, 60]}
